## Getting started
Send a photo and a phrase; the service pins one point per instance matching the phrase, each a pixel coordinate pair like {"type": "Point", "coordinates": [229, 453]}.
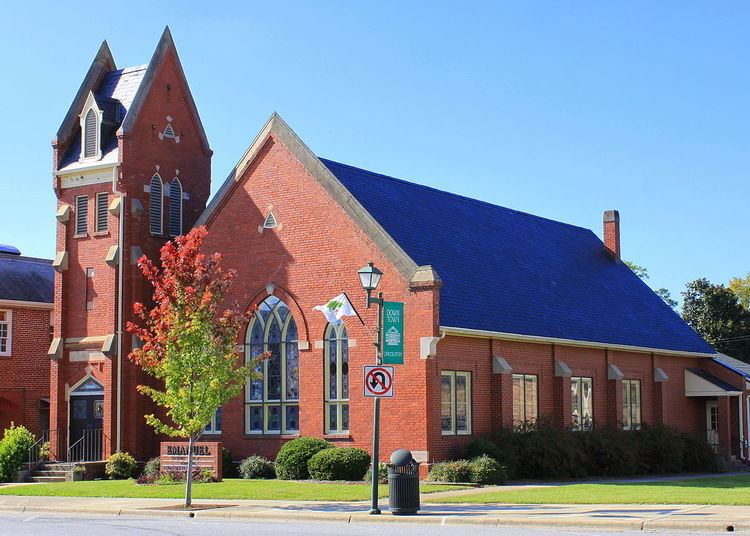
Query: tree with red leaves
{"type": "Point", "coordinates": [188, 343]}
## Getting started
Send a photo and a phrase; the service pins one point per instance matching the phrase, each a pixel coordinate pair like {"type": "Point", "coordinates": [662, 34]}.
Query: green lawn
{"type": "Point", "coordinates": [729, 490]}
{"type": "Point", "coordinates": [228, 489]}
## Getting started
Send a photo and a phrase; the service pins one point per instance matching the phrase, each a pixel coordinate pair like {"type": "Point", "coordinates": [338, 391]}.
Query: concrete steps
{"type": "Point", "coordinates": [50, 472]}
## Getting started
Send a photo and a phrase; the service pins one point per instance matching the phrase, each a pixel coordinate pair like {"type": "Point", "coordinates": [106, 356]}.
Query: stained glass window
{"type": "Point", "coordinates": [336, 379]}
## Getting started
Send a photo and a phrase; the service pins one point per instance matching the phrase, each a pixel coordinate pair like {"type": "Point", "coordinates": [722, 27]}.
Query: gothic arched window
{"type": "Point", "coordinates": [90, 123]}
{"type": "Point", "coordinates": [272, 399]}
{"type": "Point", "coordinates": [336, 372]}
{"type": "Point", "coordinates": [175, 208]}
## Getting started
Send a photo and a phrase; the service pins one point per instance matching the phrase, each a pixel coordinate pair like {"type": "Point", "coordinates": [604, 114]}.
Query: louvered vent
{"type": "Point", "coordinates": [175, 208]}
{"type": "Point", "coordinates": [89, 135]}
{"type": "Point", "coordinates": [157, 202]}
{"type": "Point", "coordinates": [169, 131]}
{"type": "Point", "coordinates": [270, 221]}
{"type": "Point", "coordinates": [82, 214]}
{"type": "Point", "coordinates": [102, 203]}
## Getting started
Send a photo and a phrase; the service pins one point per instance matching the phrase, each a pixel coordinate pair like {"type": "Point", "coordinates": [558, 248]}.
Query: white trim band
{"type": "Point", "coordinates": [468, 332]}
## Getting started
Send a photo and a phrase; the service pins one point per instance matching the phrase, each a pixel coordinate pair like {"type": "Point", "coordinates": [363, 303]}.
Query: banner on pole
{"type": "Point", "coordinates": [393, 333]}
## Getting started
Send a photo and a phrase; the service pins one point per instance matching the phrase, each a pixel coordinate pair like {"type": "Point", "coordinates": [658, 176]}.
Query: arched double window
{"type": "Point", "coordinates": [272, 399]}
{"type": "Point", "coordinates": [156, 204]}
{"type": "Point", "coordinates": [175, 208]}
{"type": "Point", "coordinates": [336, 379]}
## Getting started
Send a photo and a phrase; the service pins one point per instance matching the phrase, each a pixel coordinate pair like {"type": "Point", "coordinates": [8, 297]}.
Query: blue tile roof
{"type": "Point", "coordinates": [512, 272]}
{"type": "Point", "coordinates": [26, 279]}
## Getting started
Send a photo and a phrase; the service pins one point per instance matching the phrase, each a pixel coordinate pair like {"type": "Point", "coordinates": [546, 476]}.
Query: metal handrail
{"type": "Point", "coordinates": [89, 448]}
{"type": "Point", "coordinates": [35, 450]}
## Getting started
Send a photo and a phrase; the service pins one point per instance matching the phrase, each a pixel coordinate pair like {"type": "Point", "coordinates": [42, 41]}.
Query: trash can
{"type": "Point", "coordinates": [403, 483]}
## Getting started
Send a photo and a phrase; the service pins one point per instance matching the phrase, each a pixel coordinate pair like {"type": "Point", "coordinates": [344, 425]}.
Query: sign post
{"type": "Point", "coordinates": [393, 333]}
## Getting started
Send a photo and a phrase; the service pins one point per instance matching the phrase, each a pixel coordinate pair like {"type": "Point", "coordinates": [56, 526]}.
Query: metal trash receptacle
{"type": "Point", "coordinates": [403, 483]}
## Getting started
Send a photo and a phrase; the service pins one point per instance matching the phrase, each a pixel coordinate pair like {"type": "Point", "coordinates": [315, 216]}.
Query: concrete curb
{"type": "Point", "coordinates": [281, 516]}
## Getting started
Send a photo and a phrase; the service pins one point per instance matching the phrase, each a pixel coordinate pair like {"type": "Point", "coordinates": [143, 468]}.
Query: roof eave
{"type": "Point", "coordinates": [469, 332]}
{"type": "Point", "coordinates": [277, 127]}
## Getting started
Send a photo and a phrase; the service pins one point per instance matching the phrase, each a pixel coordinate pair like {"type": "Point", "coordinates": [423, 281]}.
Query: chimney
{"type": "Point", "coordinates": [612, 233]}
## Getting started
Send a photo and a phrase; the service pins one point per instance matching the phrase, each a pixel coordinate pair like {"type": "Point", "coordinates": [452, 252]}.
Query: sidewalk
{"type": "Point", "coordinates": [613, 517]}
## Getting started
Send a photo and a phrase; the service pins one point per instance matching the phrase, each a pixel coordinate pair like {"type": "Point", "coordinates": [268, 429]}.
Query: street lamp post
{"type": "Point", "coordinates": [370, 276]}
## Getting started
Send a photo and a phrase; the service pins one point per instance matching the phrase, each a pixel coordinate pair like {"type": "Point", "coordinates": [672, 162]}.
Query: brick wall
{"type": "Point", "coordinates": [24, 375]}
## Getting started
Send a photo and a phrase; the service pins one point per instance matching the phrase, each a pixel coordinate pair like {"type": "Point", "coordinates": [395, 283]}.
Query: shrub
{"type": "Point", "coordinates": [661, 449]}
{"type": "Point", "coordinates": [606, 453]}
{"type": "Point", "coordinates": [257, 467]}
{"type": "Point", "coordinates": [152, 467]}
{"type": "Point", "coordinates": [455, 471]}
{"type": "Point", "coordinates": [339, 464]}
{"type": "Point", "coordinates": [120, 466]}
{"type": "Point", "coordinates": [544, 451]}
{"type": "Point", "coordinates": [486, 470]}
{"type": "Point", "coordinates": [14, 449]}
{"type": "Point", "coordinates": [228, 467]}
{"type": "Point", "coordinates": [382, 473]}
{"type": "Point", "coordinates": [291, 462]}
{"type": "Point", "coordinates": [480, 446]}
{"type": "Point", "coordinates": [699, 456]}
{"type": "Point", "coordinates": [176, 476]}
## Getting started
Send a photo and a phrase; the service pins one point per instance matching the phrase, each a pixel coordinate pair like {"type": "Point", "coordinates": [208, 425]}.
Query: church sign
{"type": "Point", "coordinates": [393, 333]}
{"type": "Point", "coordinates": [206, 456]}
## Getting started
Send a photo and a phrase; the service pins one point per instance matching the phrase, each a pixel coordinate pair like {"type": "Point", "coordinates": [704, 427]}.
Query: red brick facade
{"type": "Point", "coordinates": [24, 374]}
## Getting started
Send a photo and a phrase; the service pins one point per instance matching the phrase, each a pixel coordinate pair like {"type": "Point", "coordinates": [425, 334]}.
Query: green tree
{"type": "Point", "coordinates": [741, 287]}
{"type": "Point", "coordinates": [189, 345]}
{"type": "Point", "coordinates": [716, 314]}
{"type": "Point", "coordinates": [662, 292]}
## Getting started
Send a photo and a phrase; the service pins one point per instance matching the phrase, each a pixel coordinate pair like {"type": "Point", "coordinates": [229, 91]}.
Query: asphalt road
{"type": "Point", "coordinates": [59, 525]}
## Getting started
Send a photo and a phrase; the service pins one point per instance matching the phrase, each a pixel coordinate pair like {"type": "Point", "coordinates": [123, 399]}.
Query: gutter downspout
{"type": "Point", "coordinates": [120, 266]}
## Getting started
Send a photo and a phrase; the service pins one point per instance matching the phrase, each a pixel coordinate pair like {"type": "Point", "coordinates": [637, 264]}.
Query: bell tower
{"type": "Point", "coordinates": [131, 169]}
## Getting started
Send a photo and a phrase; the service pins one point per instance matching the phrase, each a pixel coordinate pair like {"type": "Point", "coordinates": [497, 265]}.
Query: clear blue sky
{"type": "Point", "coordinates": [561, 109]}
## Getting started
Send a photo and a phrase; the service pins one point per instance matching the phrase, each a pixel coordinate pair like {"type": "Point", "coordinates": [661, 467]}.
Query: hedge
{"type": "Point", "coordinates": [546, 452]}
{"type": "Point", "coordinates": [257, 467]}
{"type": "Point", "coordinates": [339, 464]}
{"type": "Point", "coordinates": [291, 461]}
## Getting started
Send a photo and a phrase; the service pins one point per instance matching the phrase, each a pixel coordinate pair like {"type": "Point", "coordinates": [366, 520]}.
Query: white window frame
{"type": "Point", "coordinates": [283, 402]}
{"type": "Point", "coordinates": [97, 221]}
{"type": "Point", "coordinates": [526, 420]}
{"type": "Point", "coordinates": [8, 322]}
{"type": "Point", "coordinates": [627, 387]}
{"type": "Point", "coordinates": [85, 231]}
{"type": "Point", "coordinates": [214, 426]}
{"type": "Point", "coordinates": [453, 374]}
{"type": "Point", "coordinates": [171, 205]}
{"type": "Point", "coordinates": [578, 401]}
{"type": "Point", "coordinates": [338, 333]}
{"type": "Point", "coordinates": [90, 105]}
{"type": "Point", "coordinates": [160, 201]}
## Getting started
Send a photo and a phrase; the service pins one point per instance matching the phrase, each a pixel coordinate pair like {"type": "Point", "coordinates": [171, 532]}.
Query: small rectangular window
{"type": "Point", "coordinates": [5, 332]}
{"type": "Point", "coordinates": [102, 204]}
{"type": "Point", "coordinates": [214, 427]}
{"type": "Point", "coordinates": [90, 294]}
{"type": "Point", "coordinates": [581, 396]}
{"type": "Point", "coordinates": [455, 402]}
{"type": "Point", "coordinates": [631, 404]}
{"type": "Point", "coordinates": [525, 399]}
{"type": "Point", "coordinates": [82, 215]}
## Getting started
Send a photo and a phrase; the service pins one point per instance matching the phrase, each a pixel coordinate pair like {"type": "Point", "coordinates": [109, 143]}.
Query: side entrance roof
{"type": "Point", "coordinates": [26, 279]}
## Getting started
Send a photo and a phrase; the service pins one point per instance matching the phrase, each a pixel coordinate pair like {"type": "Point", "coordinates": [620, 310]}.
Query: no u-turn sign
{"type": "Point", "coordinates": [378, 381]}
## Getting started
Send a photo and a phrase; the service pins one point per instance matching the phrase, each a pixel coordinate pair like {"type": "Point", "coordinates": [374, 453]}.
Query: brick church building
{"type": "Point", "coordinates": [509, 317]}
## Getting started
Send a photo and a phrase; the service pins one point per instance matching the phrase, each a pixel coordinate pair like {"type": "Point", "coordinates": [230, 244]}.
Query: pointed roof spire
{"type": "Point", "coordinates": [103, 63]}
{"type": "Point", "coordinates": [166, 44]}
